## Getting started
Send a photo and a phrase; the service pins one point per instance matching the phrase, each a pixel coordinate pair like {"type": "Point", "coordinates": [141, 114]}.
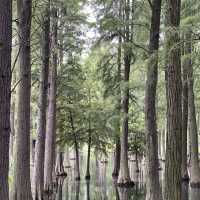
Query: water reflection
{"type": "Point", "coordinates": [68, 190]}
{"type": "Point", "coordinates": [194, 194]}
{"type": "Point", "coordinates": [185, 191]}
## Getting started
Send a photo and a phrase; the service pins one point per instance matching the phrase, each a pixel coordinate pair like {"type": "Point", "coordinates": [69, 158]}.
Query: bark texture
{"type": "Point", "coordinates": [87, 176]}
{"type": "Point", "coordinates": [174, 110]}
{"type": "Point", "coordinates": [153, 186]}
{"type": "Point", "coordinates": [193, 132]}
{"type": "Point", "coordinates": [59, 169]}
{"type": "Point", "coordinates": [22, 185]}
{"type": "Point", "coordinates": [38, 174]}
{"type": "Point", "coordinates": [116, 159]}
{"type": "Point", "coordinates": [5, 93]}
{"type": "Point", "coordinates": [51, 116]}
{"type": "Point", "coordinates": [76, 148]}
{"type": "Point", "coordinates": [184, 169]}
{"type": "Point", "coordinates": [124, 175]}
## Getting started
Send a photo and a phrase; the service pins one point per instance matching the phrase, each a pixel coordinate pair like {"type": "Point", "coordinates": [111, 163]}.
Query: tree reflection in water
{"type": "Point", "coordinates": [106, 189]}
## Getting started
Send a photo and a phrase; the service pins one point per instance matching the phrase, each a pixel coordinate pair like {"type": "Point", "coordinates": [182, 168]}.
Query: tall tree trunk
{"type": "Point", "coordinates": [87, 176]}
{"type": "Point", "coordinates": [153, 185]}
{"type": "Point", "coordinates": [124, 175]}
{"type": "Point", "coordinates": [59, 168]}
{"type": "Point", "coordinates": [76, 147]}
{"type": "Point", "coordinates": [116, 159]}
{"type": "Point", "coordinates": [38, 174]}
{"type": "Point", "coordinates": [174, 111]}
{"type": "Point", "coordinates": [5, 93]}
{"type": "Point", "coordinates": [22, 184]}
{"type": "Point", "coordinates": [184, 169]}
{"type": "Point", "coordinates": [49, 160]}
{"type": "Point", "coordinates": [195, 169]}
{"type": "Point", "coordinates": [116, 169]}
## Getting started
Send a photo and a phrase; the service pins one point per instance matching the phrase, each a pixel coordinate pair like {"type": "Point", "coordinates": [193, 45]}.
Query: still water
{"type": "Point", "coordinates": [101, 186]}
{"type": "Point", "coordinates": [84, 190]}
{"type": "Point", "coordinates": [67, 190]}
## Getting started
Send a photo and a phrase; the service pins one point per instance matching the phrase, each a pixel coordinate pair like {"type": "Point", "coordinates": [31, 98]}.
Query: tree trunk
{"type": "Point", "coordinates": [195, 169]}
{"type": "Point", "coordinates": [116, 160]}
{"type": "Point", "coordinates": [184, 169]}
{"type": "Point", "coordinates": [124, 175]}
{"type": "Point", "coordinates": [5, 88]}
{"type": "Point", "coordinates": [76, 147]}
{"type": "Point", "coordinates": [49, 160]}
{"type": "Point", "coordinates": [174, 111]}
{"type": "Point", "coordinates": [153, 185]}
{"type": "Point", "coordinates": [87, 176]}
{"type": "Point", "coordinates": [59, 169]}
{"type": "Point", "coordinates": [38, 174]}
{"type": "Point", "coordinates": [22, 184]}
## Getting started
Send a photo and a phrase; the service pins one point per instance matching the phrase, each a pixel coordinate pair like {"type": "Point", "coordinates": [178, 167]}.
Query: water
{"type": "Point", "coordinates": [101, 186]}
{"type": "Point", "coordinates": [90, 190]}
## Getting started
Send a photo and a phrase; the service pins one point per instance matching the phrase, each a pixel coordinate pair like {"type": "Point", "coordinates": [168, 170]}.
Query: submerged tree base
{"type": "Point", "coordinates": [126, 184]}
{"type": "Point", "coordinates": [185, 178]}
{"type": "Point", "coordinates": [87, 177]}
{"type": "Point", "coordinates": [115, 175]}
{"type": "Point", "coordinates": [63, 174]}
{"type": "Point", "coordinates": [77, 178]}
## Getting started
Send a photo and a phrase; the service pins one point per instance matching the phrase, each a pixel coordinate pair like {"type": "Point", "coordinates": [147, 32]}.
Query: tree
{"type": "Point", "coordinates": [124, 176]}
{"type": "Point", "coordinates": [22, 185]}
{"type": "Point", "coordinates": [153, 185]}
{"type": "Point", "coordinates": [51, 116]}
{"type": "Point", "coordinates": [5, 93]}
{"type": "Point", "coordinates": [173, 95]}
{"type": "Point", "coordinates": [195, 169]}
{"type": "Point", "coordinates": [184, 169]}
{"type": "Point", "coordinates": [38, 174]}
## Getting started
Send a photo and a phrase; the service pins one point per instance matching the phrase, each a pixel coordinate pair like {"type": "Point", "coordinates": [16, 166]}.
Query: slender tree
{"type": "Point", "coordinates": [5, 92]}
{"type": "Point", "coordinates": [124, 175]}
{"type": "Point", "coordinates": [22, 185]}
{"type": "Point", "coordinates": [51, 116]}
{"type": "Point", "coordinates": [184, 169]}
{"type": "Point", "coordinates": [38, 173]}
{"type": "Point", "coordinates": [173, 94]}
{"type": "Point", "coordinates": [153, 185]}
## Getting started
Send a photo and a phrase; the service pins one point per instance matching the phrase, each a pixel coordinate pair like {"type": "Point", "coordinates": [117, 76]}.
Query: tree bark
{"type": "Point", "coordinates": [116, 159]}
{"type": "Point", "coordinates": [195, 169]}
{"type": "Point", "coordinates": [174, 110]}
{"type": "Point", "coordinates": [59, 169]}
{"type": "Point", "coordinates": [38, 174]}
{"type": "Point", "coordinates": [5, 93]}
{"type": "Point", "coordinates": [22, 185]}
{"type": "Point", "coordinates": [153, 186]}
{"type": "Point", "coordinates": [76, 147]}
{"type": "Point", "coordinates": [49, 160]}
{"type": "Point", "coordinates": [124, 175]}
{"type": "Point", "coordinates": [184, 169]}
{"type": "Point", "coordinates": [87, 176]}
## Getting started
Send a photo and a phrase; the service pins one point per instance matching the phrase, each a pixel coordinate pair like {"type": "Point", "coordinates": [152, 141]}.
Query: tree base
{"type": "Point", "coordinates": [115, 175]}
{"type": "Point", "coordinates": [127, 184]}
{"type": "Point", "coordinates": [77, 179]}
{"type": "Point", "coordinates": [186, 179]}
{"type": "Point", "coordinates": [195, 184]}
{"type": "Point", "coordinates": [63, 174]}
{"type": "Point", "coordinates": [87, 177]}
